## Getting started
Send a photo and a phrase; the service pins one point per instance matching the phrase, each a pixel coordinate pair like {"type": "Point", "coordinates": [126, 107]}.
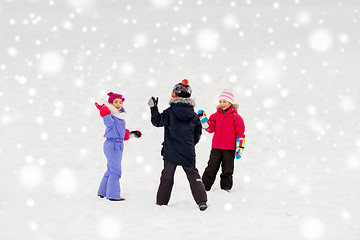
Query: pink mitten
{"type": "Point", "coordinates": [104, 110]}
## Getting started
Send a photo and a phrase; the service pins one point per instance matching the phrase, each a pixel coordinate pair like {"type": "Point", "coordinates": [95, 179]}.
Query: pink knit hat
{"type": "Point", "coordinates": [113, 96]}
{"type": "Point", "coordinates": [227, 95]}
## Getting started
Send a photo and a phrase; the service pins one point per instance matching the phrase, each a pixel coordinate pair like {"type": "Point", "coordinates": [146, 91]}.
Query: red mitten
{"type": "Point", "coordinates": [104, 110]}
{"type": "Point", "coordinates": [127, 135]}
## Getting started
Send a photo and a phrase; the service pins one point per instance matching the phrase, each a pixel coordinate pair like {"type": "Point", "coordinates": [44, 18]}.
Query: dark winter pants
{"type": "Point", "coordinates": [167, 182]}
{"type": "Point", "coordinates": [218, 157]}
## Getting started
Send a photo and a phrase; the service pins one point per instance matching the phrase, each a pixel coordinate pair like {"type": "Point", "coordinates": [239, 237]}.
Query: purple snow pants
{"type": "Point", "coordinates": [110, 186]}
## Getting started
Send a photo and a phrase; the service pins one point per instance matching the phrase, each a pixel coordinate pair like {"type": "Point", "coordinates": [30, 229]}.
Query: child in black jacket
{"type": "Point", "coordinates": [182, 132]}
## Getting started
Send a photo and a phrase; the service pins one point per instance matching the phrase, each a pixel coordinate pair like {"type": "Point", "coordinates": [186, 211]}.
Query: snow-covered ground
{"type": "Point", "coordinates": [293, 66]}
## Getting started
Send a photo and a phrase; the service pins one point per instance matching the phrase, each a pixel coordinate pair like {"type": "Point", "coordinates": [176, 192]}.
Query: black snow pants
{"type": "Point", "coordinates": [218, 157]}
{"type": "Point", "coordinates": [167, 182]}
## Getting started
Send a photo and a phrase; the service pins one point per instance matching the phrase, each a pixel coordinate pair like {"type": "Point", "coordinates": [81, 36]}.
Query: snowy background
{"type": "Point", "coordinates": [294, 66]}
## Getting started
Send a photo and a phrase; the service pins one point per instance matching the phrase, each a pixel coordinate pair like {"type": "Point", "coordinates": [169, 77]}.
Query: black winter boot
{"type": "Point", "coordinates": [202, 206]}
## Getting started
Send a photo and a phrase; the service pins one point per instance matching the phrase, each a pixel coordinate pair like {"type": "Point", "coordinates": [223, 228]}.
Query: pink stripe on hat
{"type": "Point", "coordinates": [227, 95]}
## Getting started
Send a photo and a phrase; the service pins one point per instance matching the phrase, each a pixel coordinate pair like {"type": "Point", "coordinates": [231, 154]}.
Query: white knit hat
{"type": "Point", "coordinates": [227, 95]}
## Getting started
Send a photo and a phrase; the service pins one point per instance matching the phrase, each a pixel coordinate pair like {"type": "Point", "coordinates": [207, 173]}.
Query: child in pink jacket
{"type": "Point", "coordinates": [228, 141]}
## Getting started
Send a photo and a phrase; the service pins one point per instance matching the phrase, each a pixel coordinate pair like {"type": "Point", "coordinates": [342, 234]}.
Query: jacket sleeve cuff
{"type": "Point", "coordinates": [155, 108]}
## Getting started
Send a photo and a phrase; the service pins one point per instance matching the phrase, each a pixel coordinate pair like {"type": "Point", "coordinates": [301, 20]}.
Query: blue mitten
{"type": "Point", "coordinates": [240, 144]}
{"type": "Point", "coordinates": [203, 119]}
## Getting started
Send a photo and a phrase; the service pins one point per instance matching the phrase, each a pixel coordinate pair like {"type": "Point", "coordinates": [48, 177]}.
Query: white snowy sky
{"type": "Point", "coordinates": [292, 64]}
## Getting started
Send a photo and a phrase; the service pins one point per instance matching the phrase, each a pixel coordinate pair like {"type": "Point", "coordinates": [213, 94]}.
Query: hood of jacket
{"type": "Point", "coordinates": [183, 108]}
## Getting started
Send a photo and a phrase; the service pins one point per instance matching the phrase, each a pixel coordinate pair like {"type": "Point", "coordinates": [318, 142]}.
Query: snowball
{"type": "Point", "coordinates": [30, 175]}
{"type": "Point", "coordinates": [139, 159]}
{"type": "Point", "coordinates": [39, 119]}
{"type": "Point", "coordinates": [259, 63]}
{"type": "Point", "coordinates": [343, 38]}
{"type": "Point", "coordinates": [81, 4]}
{"type": "Point", "coordinates": [345, 215]}
{"type": "Point", "coordinates": [42, 162]}
{"type": "Point", "coordinates": [312, 229]}
{"type": "Point", "coordinates": [79, 82]}
{"type": "Point", "coordinates": [352, 163]}
{"type": "Point", "coordinates": [281, 55]}
{"type": "Point", "coordinates": [228, 207]}
{"type": "Point", "coordinates": [284, 93]}
{"type": "Point", "coordinates": [126, 69]}
{"type": "Point", "coordinates": [230, 21]}
{"type": "Point", "coordinates": [67, 25]}
{"type": "Point", "coordinates": [44, 136]}
{"type": "Point", "coordinates": [281, 153]}
{"type": "Point", "coordinates": [321, 40]}
{"type": "Point", "coordinates": [151, 83]}
{"type": "Point", "coordinates": [13, 52]}
{"type": "Point", "coordinates": [57, 112]}
{"type": "Point", "coordinates": [32, 91]}
{"type": "Point", "coordinates": [29, 159]}
{"type": "Point", "coordinates": [184, 30]}
{"type": "Point", "coordinates": [21, 79]}
{"type": "Point", "coordinates": [268, 103]}
{"type": "Point", "coordinates": [30, 202]}
{"type": "Point", "coordinates": [260, 125]}
{"type": "Point", "coordinates": [316, 125]}
{"type": "Point", "coordinates": [6, 119]}
{"type": "Point", "coordinates": [206, 78]}
{"type": "Point", "coordinates": [65, 182]}
{"type": "Point", "coordinates": [34, 226]}
{"type": "Point", "coordinates": [357, 143]}
{"type": "Point", "coordinates": [140, 40]}
{"type": "Point", "coordinates": [303, 18]}
{"type": "Point", "coordinates": [147, 168]}
{"type": "Point", "coordinates": [109, 228]}
{"type": "Point", "coordinates": [233, 78]}
{"type": "Point", "coordinates": [207, 40]}
{"type": "Point", "coordinates": [247, 179]}
{"type": "Point", "coordinates": [346, 104]}
{"type": "Point", "coordinates": [311, 110]}
{"type": "Point", "coordinates": [83, 152]}
{"type": "Point", "coordinates": [51, 63]}
{"type": "Point", "coordinates": [248, 93]}
{"type": "Point", "coordinates": [145, 116]}
{"type": "Point", "coordinates": [161, 3]}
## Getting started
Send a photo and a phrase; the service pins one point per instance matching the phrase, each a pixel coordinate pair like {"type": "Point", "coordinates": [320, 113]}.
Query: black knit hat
{"type": "Point", "coordinates": [182, 89]}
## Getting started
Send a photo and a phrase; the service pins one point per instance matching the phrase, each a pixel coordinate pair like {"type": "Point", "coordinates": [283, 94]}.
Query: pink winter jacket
{"type": "Point", "coordinates": [227, 127]}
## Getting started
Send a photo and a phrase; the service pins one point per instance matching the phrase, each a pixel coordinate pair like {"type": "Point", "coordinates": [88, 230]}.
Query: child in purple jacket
{"type": "Point", "coordinates": [113, 115]}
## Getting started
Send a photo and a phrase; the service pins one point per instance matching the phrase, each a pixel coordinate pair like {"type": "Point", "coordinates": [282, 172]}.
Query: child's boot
{"type": "Point", "coordinates": [202, 206]}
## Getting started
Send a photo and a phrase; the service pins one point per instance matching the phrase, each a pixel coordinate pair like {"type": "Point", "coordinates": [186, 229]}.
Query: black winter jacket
{"type": "Point", "coordinates": [182, 131]}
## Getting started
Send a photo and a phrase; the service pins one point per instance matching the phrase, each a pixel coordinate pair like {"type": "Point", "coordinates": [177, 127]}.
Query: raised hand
{"type": "Point", "coordinates": [153, 102]}
{"type": "Point", "coordinates": [104, 110]}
